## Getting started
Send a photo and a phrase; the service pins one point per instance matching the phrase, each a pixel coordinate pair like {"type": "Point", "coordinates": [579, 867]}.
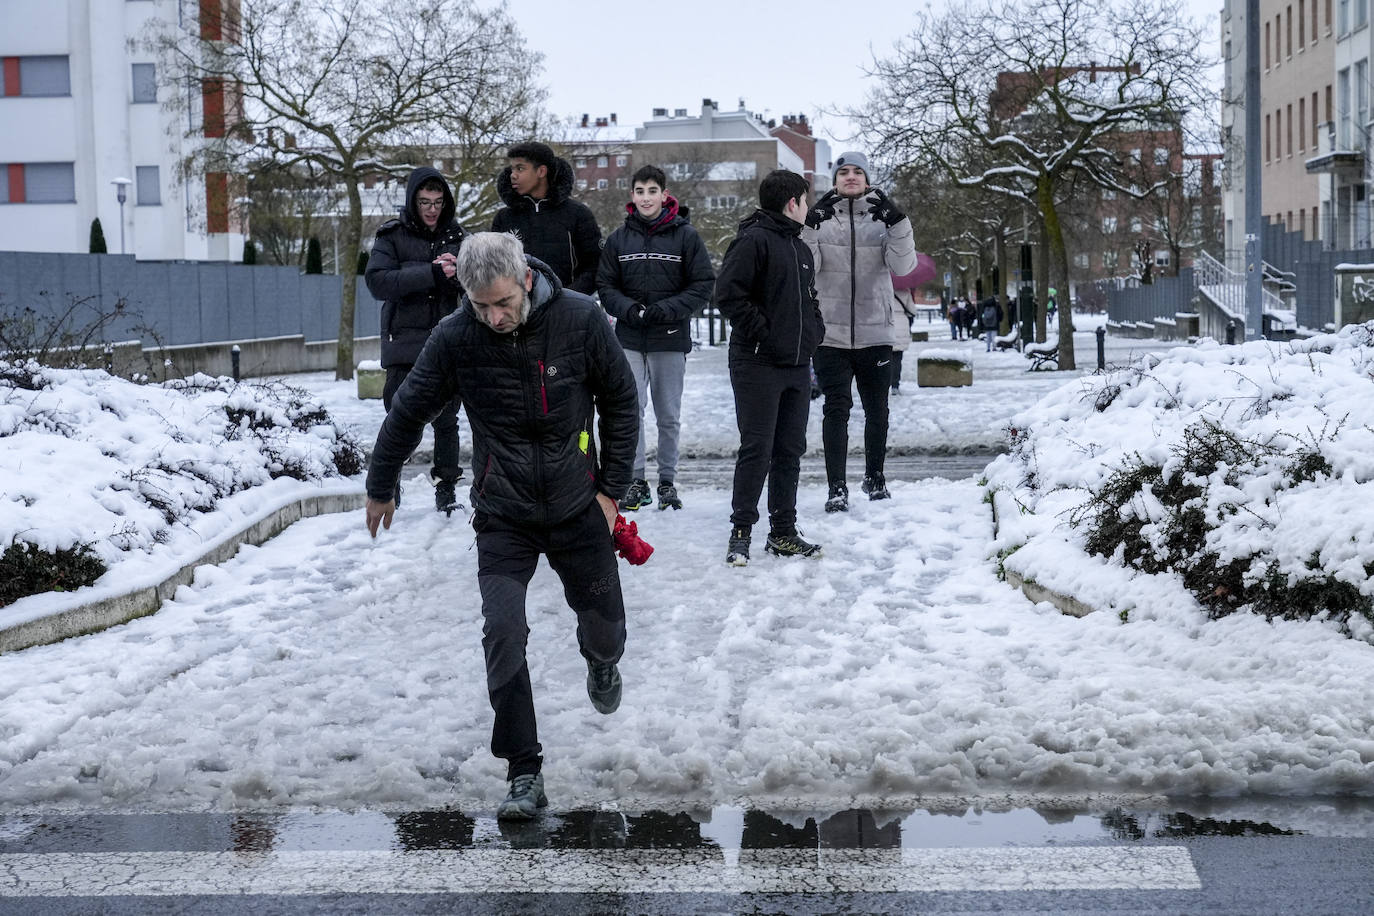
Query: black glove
{"type": "Point", "coordinates": [822, 209]}
{"type": "Point", "coordinates": [884, 209]}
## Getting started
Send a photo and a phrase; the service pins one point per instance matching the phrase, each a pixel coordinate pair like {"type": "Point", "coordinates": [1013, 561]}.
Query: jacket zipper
{"type": "Point", "coordinates": [538, 450]}
{"type": "Point", "coordinates": [853, 281]}
{"type": "Point", "coordinates": [801, 299]}
{"type": "Point", "coordinates": [543, 394]}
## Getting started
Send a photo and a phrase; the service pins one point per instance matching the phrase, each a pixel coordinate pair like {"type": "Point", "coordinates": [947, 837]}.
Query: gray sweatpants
{"type": "Point", "coordinates": [660, 375]}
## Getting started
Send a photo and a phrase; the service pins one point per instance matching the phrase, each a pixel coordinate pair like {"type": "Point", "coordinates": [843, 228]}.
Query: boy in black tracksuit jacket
{"type": "Point", "coordinates": [767, 290]}
{"type": "Point", "coordinates": [655, 274]}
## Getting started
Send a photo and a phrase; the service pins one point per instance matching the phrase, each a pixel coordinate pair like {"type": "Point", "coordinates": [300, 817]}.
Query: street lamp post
{"type": "Point", "coordinates": [122, 193]}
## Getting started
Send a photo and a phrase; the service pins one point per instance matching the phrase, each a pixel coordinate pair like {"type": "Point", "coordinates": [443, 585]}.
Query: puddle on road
{"type": "Point", "coordinates": [724, 828]}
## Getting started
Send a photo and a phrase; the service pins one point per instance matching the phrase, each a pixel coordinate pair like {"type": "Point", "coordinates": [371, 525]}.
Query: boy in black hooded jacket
{"type": "Point", "coordinates": [412, 270]}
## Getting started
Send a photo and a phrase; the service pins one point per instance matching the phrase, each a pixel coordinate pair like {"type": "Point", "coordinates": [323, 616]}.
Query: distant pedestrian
{"type": "Point", "coordinates": [532, 363]}
{"type": "Point", "coordinates": [767, 290]}
{"type": "Point", "coordinates": [536, 188]}
{"type": "Point", "coordinates": [968, 318]}
{"type": "Point", "coordinates": [954, 317]}
{"type": "Point", "coordinates": [1051, 306]}
{"type": "Point", "coordinates": [859, 239]}
{"type": "Point", "coordinates": [655, 273]}
{"type": "Point", "coordinates": [411, 270]}
{"type": "Point", "coordinates": [990, 319]}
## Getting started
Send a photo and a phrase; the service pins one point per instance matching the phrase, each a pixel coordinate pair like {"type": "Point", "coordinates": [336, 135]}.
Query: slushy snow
{"type": "Point", "coordinates": [328, 669]}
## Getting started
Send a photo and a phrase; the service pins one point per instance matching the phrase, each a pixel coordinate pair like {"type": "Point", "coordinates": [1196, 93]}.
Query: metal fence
{"type": "Point", "coordinates": [174, 303]}
{"type": "Point", "coordinates": [1290, 259]}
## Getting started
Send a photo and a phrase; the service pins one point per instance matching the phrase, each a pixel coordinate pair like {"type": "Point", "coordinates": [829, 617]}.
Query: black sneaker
{"type": "Point", "coordinates": [876, 487]}
{"type": "Point", "coordinates": [838, 500]}
{"type": "Point", "coordinates": [525, 798]}
{"type": "Point", "coordinates": [603, 687]}
{"type": "Point", "coordinates": [445, 496]}
{"type": "Point", "coordinates": [737, 552]}
{"type": "Point", "coordinates": [637, 496]}
{"type": "Point", "coordinates": [667, 497]}
{"type": "Point", "coordinates": [790, 545]}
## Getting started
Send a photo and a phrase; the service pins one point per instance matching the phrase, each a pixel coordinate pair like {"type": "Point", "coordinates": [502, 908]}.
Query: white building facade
{"type": "Point", "coordinates": [82, 109]}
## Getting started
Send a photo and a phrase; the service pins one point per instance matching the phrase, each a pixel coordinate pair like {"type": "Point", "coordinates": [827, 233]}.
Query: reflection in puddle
{"type": "Point", "coordinates": [726, 829]}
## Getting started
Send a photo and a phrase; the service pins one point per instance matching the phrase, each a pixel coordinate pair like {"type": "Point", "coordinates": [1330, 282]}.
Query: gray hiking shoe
{"type": "Point", "coordinates": [637, 496]}
{"type": "Point", "coordinates": [525, 798]}
{"type": "Point", "coordinates": [790, 545]}
{"type": "Point", "coordinates": [603, 687]}
{"type": "Point", "coordinates": [667, 497]}
{"type": "Point", "coordinates": [737, 551]}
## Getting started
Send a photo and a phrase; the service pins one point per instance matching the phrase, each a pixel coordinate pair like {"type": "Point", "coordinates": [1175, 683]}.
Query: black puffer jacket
{"type": "Point", "coordinates": [767, 289]}
{"type": "Point", "coordinates": [529, 397]}
{"type": "Point", "coordinates": [557, 230]}
{"type": "Point", "coordinates": [662, 269]}
{"type": "Point", "coordinates": [401, 272]}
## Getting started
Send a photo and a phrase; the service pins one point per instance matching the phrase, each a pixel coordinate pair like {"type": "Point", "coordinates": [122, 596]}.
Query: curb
{"type": "Point", "coordinates": [99, 615]}
{"type": "Point", "coordinates": [1067, 604]}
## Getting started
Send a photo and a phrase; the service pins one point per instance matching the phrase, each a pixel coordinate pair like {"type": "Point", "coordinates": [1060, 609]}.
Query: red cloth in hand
{"type": "Point", "coordinates": [629, 544]}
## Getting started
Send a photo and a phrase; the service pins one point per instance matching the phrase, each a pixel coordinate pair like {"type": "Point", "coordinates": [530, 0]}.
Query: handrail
{"type": "Point", "coordinates": [1226, 287]}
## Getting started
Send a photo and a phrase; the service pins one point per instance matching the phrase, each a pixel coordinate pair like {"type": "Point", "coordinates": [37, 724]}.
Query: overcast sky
{"type": "Point", "coordinates": [780, 57]}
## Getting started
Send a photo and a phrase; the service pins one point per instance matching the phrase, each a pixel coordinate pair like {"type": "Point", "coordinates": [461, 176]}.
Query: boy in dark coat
{"type": "Point", "coordinates": [654, 274]}
{"type": "Point", "coordinates": [411, 269]}
{"type": "Point", "coordinates": [767, 290]}
{"type": "Point", "coordinates": [536, 188]}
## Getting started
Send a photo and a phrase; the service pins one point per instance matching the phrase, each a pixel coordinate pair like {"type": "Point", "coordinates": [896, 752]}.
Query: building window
{"type": "Point", "coordinates": [1266, 46]}
{"type": "Point", "coordinates": [1108, 194]}
{"type": "Point", "coordinates": [1162, 258]}
{"type": "Point", "coordinates": [1161, 157]}
{"type": "Point", "coordinates": [602, 162]}
{"type": "Point", "coordinates": [581, 184]}
{"type": "Point", "coordinates": [1302, 23]}
{"type": "Point", "coordinates": [1361, 102]}
{"type": "Point", "coordinates": [622, 161]}
{"type": "Point", "coordinates": [622, 183]}
{"type": "Point", "coordinates": [1108, 225]}
{"type": "Point", "coordinates": [1082, 260]}
{"type": "Point", "coordinates": [1343, 17]}
{"type": "Point", "coordinates": [1288, 137]}
{"type": "Point", "coordinates": [1302, 123]}
{"type": "Point", "coordinates": [147, 189]}
{"type": "Point", "coordinates": [1343, 105]}
{"type": "Point", "coordinates": [46, 75]}
{"type": "Point", "coordinates": [1266, 137]}
{"type": "Point", "coordinates": [1110, 259]}
{"type": "Point", "coordinates": [580, 162]}
{"type": "Point", "coordinates": [1136, 225]}
{"type": "Point", "coordinates": [1288, 32]}
{"type": "Point", "coordinates": [602, 184]}
{"type": "Point", "coordinates": [1361, 13]}
{"type": "Point", "coordinates": [144, 83]}
{"type": "Point", "coordinates": [38, 183]}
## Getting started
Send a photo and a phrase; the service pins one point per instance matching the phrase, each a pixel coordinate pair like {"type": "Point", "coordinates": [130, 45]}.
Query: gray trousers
{"type": "Point", "coordinates": [659, 375]}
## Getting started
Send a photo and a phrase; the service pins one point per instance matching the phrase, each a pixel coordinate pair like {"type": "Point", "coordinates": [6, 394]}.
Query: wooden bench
{"type": "Point", "coordinates": [1042, 355]}
{"type": "Point", "coordinates": [1011, 341]}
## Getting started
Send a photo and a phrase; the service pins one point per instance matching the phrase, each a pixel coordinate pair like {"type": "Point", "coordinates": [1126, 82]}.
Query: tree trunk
{"type": "Point", "coordinates": [351, 241]}
{"type": "Point", "coordinates": [1059, 273]}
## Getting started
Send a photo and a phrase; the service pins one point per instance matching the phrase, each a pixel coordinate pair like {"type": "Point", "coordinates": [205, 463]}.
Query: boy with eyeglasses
{"type": "Point", "coordinates": [412, 270]}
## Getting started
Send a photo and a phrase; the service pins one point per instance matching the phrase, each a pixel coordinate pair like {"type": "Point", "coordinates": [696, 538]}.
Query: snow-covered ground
{"type": "Point", "coordinates": [329, 669]}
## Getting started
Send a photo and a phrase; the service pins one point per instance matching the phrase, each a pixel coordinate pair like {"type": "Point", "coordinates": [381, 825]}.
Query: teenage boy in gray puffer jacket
{"type": "Point", "coordinates": [859, 239]}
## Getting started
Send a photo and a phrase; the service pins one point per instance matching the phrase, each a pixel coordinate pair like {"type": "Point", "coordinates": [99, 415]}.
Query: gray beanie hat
{"type": "Point", "coordinates": [850, 158]}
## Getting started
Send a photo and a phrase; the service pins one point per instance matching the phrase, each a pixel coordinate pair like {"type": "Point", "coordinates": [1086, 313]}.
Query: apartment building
{"type": "Point", "coordinates": [83, 122]}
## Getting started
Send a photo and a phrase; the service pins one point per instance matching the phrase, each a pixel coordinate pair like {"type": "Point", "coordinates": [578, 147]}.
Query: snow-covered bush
{"type": "Point", "coordinates": [1245, 473]}
{"type": "Point", "coordinates": [94, 466]}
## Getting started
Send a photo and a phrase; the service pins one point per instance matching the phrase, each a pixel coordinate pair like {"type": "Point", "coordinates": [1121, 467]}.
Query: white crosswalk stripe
{"type": "Point", "coordinates": [585, 871]}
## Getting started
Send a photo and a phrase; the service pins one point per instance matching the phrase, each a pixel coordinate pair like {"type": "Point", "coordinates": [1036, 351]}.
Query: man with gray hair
{"type": "Point", "coordinates": [532, 363]}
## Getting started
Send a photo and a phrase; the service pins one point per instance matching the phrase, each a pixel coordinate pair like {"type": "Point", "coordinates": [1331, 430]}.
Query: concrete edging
{"type": "Point", "coordinates": [109, 612]}
{"type": "Point", "coordinates": [1067, 604]}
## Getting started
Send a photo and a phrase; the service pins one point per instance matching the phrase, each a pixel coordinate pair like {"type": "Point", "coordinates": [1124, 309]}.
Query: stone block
{"type": "Point", "coordinates": [370, 383]}
{"type": "Point", "coordinates": [943, 372]}
{"type": "Point", "coordinates": [921, 336]}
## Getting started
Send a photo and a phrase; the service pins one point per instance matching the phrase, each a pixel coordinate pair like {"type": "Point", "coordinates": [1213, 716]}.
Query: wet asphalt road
{"type": "Point", "coordinates": [1167, 860]}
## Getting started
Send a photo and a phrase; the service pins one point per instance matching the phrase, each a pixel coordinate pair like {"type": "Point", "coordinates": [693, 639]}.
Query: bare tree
{"type": "Point", "coordinates": [1017, 97]}
{"type": "Point", "coordinates": [345, 86]}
